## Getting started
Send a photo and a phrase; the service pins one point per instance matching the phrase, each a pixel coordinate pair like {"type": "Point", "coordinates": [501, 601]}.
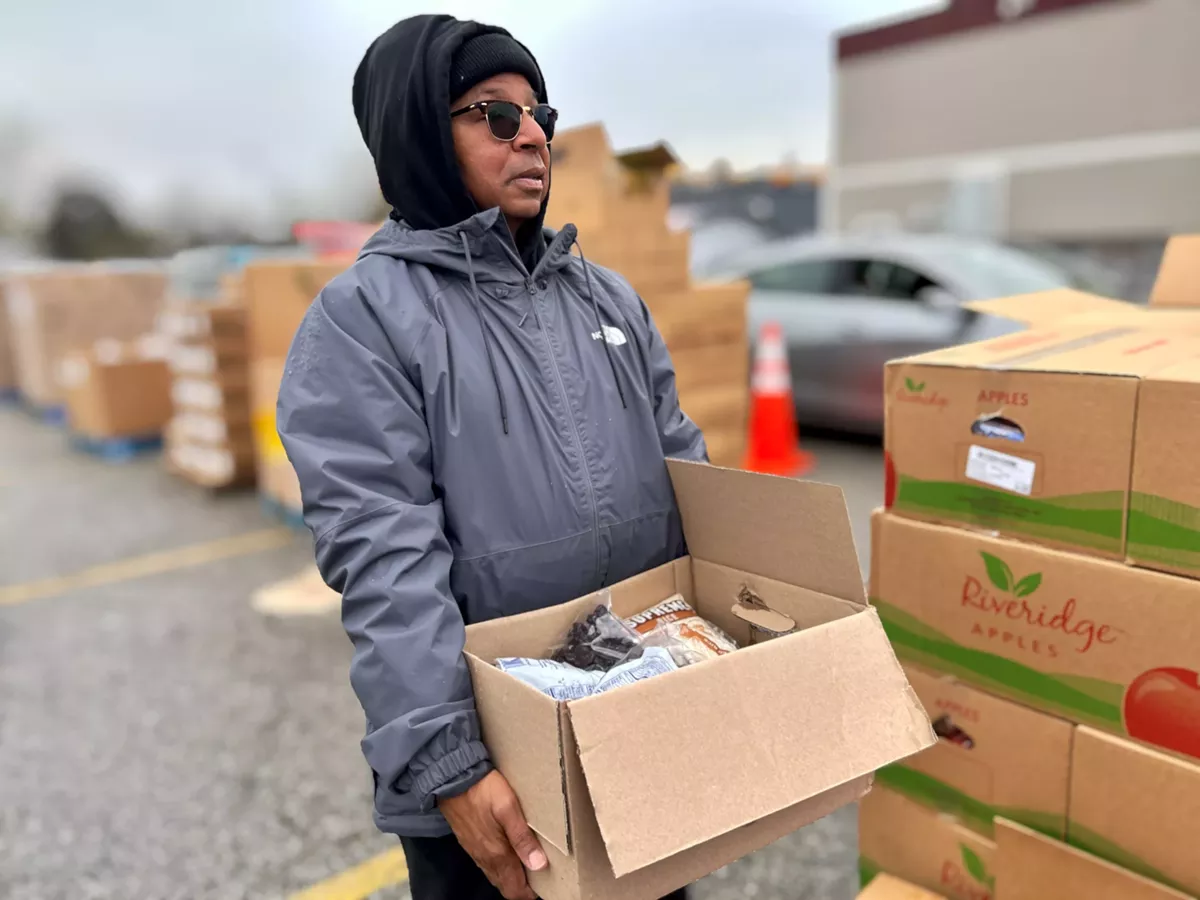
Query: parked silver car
{"type": "Point", "coordinates": [849, 304]}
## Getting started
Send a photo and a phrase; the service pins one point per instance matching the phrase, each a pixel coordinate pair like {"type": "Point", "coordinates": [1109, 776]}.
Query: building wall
{"type": "Point", "coordinates": [1083, 124]}
{"type": "Point", "coordinates": [1121, 67]}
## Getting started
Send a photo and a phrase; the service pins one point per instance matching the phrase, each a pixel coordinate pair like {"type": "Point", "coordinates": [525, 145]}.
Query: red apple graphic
{"type": "Point", "coordinates": [889, 481]}
{"type": "Point", "coordinates": [1162, 706]}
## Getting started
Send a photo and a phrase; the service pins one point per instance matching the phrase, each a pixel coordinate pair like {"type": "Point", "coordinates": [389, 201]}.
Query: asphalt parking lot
{"type": "Point", "coordinates": [160, 738]}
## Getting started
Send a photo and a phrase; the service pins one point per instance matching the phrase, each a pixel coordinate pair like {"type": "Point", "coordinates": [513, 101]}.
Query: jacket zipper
{"type": "Point", "coordinates": [562, 391]}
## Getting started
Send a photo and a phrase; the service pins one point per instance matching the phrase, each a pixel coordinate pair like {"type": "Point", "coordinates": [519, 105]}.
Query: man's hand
{"type": "Point", "coordinates": [488, 822]}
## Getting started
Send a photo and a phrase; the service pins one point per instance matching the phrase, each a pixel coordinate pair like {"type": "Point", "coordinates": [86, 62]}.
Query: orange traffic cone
{"type": "Point", "coordinates": [774, 446]}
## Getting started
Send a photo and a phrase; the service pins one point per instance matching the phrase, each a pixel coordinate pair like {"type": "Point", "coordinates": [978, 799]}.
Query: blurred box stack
{"type": "Point", "coordinates": [210, 440]}
{"type": "Point", "coordinates": [64, 309]}
{"type": "Point", "coordinates": [117, 394]}
{"type": "Point", "coordinates": [1036, 569]}
{"type": "Point", "coordinates": [620, 203]}
{"type": "Point", "coordinates": [8, 362]}
{"type": "Point", "coordinates": [277, 295]}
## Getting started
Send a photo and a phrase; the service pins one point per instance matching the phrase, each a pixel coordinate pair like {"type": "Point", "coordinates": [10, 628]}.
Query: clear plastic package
{"type": "Point", "coordinates": [555, 679]}
{"type": "Point", "coordinates": [677, 627]}
{"type": "Point", "coordinates": [653, 661]}
{"type": "Point", "coordinates": [599, 640]}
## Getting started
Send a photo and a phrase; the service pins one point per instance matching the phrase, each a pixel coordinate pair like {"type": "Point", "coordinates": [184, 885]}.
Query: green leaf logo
{"type": "Point", "coordinates": [1028, 584]}
{"type": "Point", "coordinates": [974, 865]}
{"type": "Point", "coordinates": [914, 387]}
{"type": "Point", "coordinates": [998, 571]}
{"type": "Point", "coordinates": [1002, 577]}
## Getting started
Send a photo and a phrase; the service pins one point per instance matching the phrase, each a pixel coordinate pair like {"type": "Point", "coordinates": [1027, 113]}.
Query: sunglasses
{"type": "Point", "coordinates": [504, 118]}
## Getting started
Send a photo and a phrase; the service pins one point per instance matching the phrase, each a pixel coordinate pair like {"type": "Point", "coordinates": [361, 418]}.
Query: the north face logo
{"type": "Point", "coordinates": [614, 336]}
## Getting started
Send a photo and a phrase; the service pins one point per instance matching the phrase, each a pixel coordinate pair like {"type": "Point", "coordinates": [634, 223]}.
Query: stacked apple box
{"type": "Point", "coordinates": [620, 203]}
{"type": "Point", "coordinates": [1035, 569]}
{"type": "Point", "coordinates": [277, 294]}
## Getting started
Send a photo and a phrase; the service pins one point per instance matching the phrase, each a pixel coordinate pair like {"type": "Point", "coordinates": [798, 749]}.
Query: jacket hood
{"type": "Point", "coordinates": [488, 253]}
{"type": "Point", "coordinates": [402, 104]}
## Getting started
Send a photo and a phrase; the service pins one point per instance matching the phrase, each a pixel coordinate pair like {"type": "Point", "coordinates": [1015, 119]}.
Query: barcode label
{"type": "Point", "coordinates": [1009, 473]}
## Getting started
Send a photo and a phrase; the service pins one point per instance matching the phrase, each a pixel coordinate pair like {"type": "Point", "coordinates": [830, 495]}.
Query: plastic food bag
{"type": "Point", "coordinates": [599, 641]}
{"type": "Point", "coordinates": [676, 626]}
{"type": "Point", "coordinates": [556, 679]}
{"type": "Point", "coordinates": [653, 661]}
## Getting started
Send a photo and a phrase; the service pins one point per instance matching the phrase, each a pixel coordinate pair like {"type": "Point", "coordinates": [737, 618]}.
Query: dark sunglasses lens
{"type": "Point", "coordinates": [546, 116]}
{"type": "Point", "coordinates": [504, 119]}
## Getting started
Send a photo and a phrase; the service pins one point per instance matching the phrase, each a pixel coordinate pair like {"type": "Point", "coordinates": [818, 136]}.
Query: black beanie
{"type": "Point", "coordinates": [491, 54]}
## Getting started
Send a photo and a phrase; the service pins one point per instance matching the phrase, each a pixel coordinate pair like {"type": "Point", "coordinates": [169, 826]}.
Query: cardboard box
{"type": "Point", "coordinates": [701, 316]}
{"type": "Point", "coordinates": [1164, 513]}
{"type": "Point", "coordinates": [1163, 523]}
{"type": "Point", "coordinates": [711, 366]}
{"type": "Point", "coordinates": [740, 750]}
{"type": "Point", "coordinates": [114, 399]}
{"type": "Point", "coordinates": [212, 466]}
{"type": "Point", "coordinates": [1095, 642]}
{"type": "Point", "coordinates": [928, 848]}
{"type": "Point", "coordinates": [1031, 866]}
{"type": "Point", "coordinates": [1178, 282]}
{"type": "Point", "coordinates": [888, 887]}
{"type": "Point", "coordinates": [718, 407]}
{"type": "Point", "coordinates": [56, 312]}
{"type": "Point", "coordinates": [1136, 807]}
{"type": "Point", "coordinates": [8, 361]}
{"type": "Point", "coordinates": [265, 378]}
{"type": "Point", "coordinates": [222, 393]}
{"type": "Point", "coordinates": [211, 429]}
{"type": "Point", "coordinates": [191, 322]}
{"type": "Point", "coordinates": [602, 192]}
{"type": "Point", "coordinates": [1030, 435]}
{"type": "Point", "coordinates": [993, 758]}
{"type": "Point", "coordinates": [726, 446]}
{"type": "Point", "coordinates": [277, 295]}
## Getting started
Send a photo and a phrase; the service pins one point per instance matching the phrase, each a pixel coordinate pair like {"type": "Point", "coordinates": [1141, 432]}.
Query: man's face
{"type": "Point", "coordinates": [513, 175]}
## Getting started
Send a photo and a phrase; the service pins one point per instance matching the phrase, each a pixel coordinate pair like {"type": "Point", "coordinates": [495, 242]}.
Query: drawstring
{"type": "Point", "coordinates": [587, 276]}
{"type": "Point", "coordinates": [487, 341]}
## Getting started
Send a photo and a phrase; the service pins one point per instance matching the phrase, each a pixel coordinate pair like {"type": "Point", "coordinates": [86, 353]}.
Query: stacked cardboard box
{"type": "Point", "coordinates": [55, 311]}
{"type": "Point", "coordinates": [117, 390]}
{"type": "Point", "coordinates": [1034, 484]}
{"type": "Point", "coordinates": [620, 203]}
{"type": "Point", "coordinates": [209, 440]}
{"type": "Point", "coordinates": [8, 362]}
{"type": "Point", "coordinates": [277, 294]}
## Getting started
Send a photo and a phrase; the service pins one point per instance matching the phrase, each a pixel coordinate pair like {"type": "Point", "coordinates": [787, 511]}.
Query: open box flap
{"type": "Point", "coordinates": [677, 760]}
{"type": "Point", "coordinates": [780, 528]}
{"type": "Point", "coordinates": [1178, 281]}
{"type": "Point", "coordinates": [1044, 307]}
{"type": "Point", "coordinates": [531, 757]}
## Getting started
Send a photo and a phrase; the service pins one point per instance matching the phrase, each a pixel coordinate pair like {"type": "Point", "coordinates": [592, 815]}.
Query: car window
{"type": "Point", "coordinates": [809, 277]}
{"type": "Point", "coordinates": [879, 278]}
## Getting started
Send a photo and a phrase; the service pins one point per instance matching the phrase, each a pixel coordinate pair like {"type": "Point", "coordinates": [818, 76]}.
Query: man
{"type": "Point", "coordinates": [479, 420]}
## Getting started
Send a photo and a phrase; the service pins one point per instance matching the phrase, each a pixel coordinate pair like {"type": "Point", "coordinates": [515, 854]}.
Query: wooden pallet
{"type": "Point", "coordinates": [292, 518]}
{"type": "Point", "coordinates": [116, 450]}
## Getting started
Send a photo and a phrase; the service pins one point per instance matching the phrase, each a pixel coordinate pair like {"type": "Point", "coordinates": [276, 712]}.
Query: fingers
{"type": "Point", "coordinates": [520, 835]}
{"type": "Point", "coordinates": [512, 882]}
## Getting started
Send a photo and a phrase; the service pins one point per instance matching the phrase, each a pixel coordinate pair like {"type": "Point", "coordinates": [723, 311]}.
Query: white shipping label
{"type": "Point", "coordinates": [1010, 473]}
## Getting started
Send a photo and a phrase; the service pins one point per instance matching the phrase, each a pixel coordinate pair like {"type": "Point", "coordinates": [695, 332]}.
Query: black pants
{"type": "Point", "coordinates": [440, 869]}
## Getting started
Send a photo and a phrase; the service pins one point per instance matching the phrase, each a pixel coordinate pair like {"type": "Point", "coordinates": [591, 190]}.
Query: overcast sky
{"type": "Point", "coordinates": [245, 104]}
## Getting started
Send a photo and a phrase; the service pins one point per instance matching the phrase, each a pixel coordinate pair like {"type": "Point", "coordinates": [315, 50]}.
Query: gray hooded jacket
{"type": "Point", "coordinates": [472, 440]}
